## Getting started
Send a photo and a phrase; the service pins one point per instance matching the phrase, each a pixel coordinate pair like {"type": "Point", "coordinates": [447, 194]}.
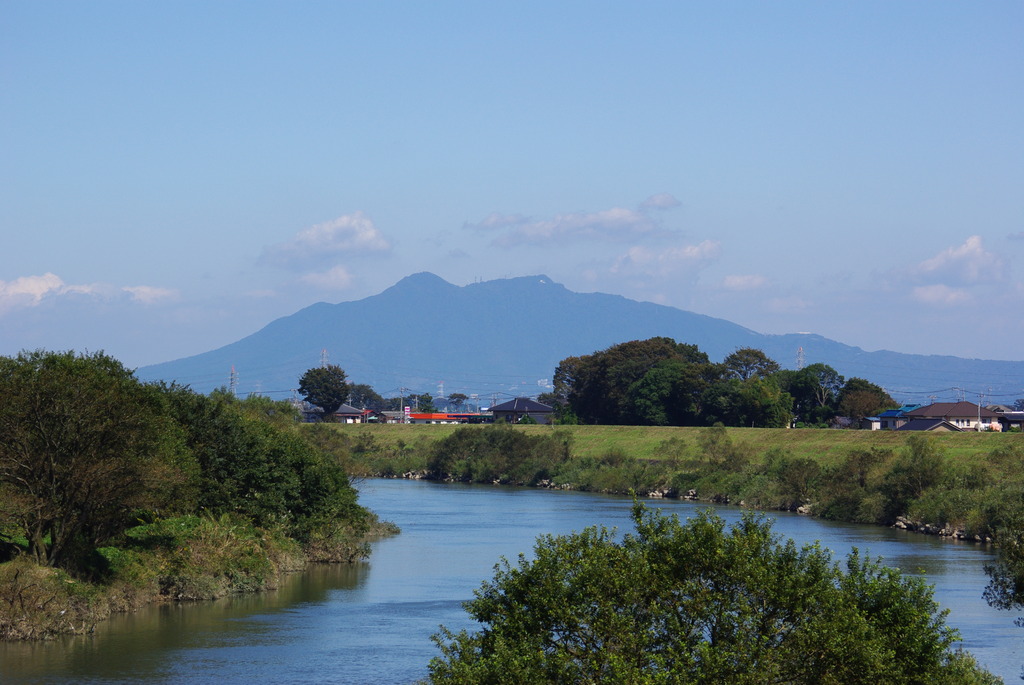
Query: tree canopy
{"type": "Point", "coordinates": [697, 603]}
{"type": "Point", "coordinates": [84, 445]}
{"type": "Point", "coordinates": [325, 387]}
{"type": "Point", "coordinates": [747, 362]}
{"type": "Point", "coordinates": [88, 451]}
{"type": "Point", "coordinates": [664, 383]}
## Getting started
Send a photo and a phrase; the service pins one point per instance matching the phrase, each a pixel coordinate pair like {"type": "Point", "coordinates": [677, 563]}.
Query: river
{"type": "Point", "coordinates": [372, 622]}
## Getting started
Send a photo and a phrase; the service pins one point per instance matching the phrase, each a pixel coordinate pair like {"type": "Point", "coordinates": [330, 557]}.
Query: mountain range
{"type": "Point", "coordinates": [505, 337]}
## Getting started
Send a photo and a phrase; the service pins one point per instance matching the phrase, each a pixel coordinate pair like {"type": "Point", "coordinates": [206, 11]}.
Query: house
{"type": "Point", "coordinates": [890, 419]}
{"type": "Point", "coordinates": [963, 415]}
{"type": "Point", "coordinates": [938, 425]}
{"type": "Point", "coordinates": [349, 414]}
{"type": "Point", "coordinates": [1010, 418]}
{"type": "Point", "coordinates": [516, 410]}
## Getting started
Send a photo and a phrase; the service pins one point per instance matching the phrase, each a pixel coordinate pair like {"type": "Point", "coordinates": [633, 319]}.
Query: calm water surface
{"type": "Point", "coordinates": [372, 622]}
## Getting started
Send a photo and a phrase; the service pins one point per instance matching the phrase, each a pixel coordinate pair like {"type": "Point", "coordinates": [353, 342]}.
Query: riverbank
{"type": "Point", "coordinates": [962, 485]}
{"type": "Point", "coordinates": [174, 560]}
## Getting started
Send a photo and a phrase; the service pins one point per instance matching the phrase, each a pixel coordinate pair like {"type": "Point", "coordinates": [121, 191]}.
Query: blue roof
{"type": "Point", "coordinates": [892, 413]}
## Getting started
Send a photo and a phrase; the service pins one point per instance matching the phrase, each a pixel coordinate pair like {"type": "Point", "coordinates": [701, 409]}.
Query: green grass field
{"type": "Point", "coordinates": [648, 442]}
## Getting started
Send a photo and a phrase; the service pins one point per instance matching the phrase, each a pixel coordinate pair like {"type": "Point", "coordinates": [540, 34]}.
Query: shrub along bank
{"type": "Point", "coordinates": [965, 484]}
{"type": "Point", "coordinates": [114, 493]}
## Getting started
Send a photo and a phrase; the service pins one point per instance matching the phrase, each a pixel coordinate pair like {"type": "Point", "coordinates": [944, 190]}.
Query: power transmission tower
{"type": "Point", "coordinates": [233, 381]}
{"type": "Point", "coordinates": [800, 360]}
{"type": "Point", "coordinates": [323, 358]}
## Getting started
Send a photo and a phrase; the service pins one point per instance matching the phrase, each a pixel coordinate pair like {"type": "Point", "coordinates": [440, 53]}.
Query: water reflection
{"type": "Point", "coordinates": [145, 645]}
{"type": "Point", "coordinates": [371, 623]}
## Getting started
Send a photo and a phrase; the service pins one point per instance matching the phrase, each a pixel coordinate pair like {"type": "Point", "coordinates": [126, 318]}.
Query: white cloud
{"type": "Point", "coordinates": [349, 234]}
{"type": "Point", "coordinates": [660, 201]}
{"type": "Point", "coordinates": [617, 224]}
{"type": "Point", "coordinates": [943, 295]}
{"type": "Point", "coordinates": [32, 291]}
{"type": "Point", "coordinates": [660, 263]}
{"type": "Point", "coordinates": [28, 290]}
{"type": "Point", "coordinates": [147, 294]}
{"type": "Point", "coordinates": [967, 264]}
{"type": "Point", "coordinates": [743, 282]}
{"type": "Point", "coordinates": [337, 278]}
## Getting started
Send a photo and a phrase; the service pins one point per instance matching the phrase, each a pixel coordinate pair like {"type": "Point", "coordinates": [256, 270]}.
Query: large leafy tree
{"type": "Point", "coordinates": [859, 398]}
{"type": "Point", "coordinates": [83, 445]}
{"type": "Point", "coordinates": [598, 386]}
{"type": "Point", "coordinates": [815, 390]}
{"type": "Point", "coordinates": [325, 387]}
{"type": "Point", "coordinates": [364, 396]}
{"type": "Point", "coordinates": [250, 466]}
{"type": "Point", "coordinates": [697, 603]}
{"type": "Point", "coordinates": [748, 362]}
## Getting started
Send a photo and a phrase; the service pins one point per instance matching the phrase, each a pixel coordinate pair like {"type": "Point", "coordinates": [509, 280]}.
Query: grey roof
{"type": "Point", "coordinates": [523, 405]}
{"type": "Point", "coordinates": [927, 425]}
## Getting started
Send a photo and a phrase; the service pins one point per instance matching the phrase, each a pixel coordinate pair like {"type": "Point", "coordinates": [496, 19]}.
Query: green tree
{"type": "Point", "coordinates": [597, 386]}
{"type": "Point", "coordinates": [456, 399]}
{"type": "Point", "coordinates": [425, 403]}
{"type": "Point", "coordinates": [762, 404]}
{"type": "Point", "coordinates": [324, 387]}
{"type": "Point", "coordinates": [827, 383]}
{"type": "Point", "coordinates": [747, 362]}
{"type": "Point", "coordinates": [669, 394]}
{"type": "Point", "coordinates": [84, 445]}
{"type": "Point", "coordinates": [697, 603]}
{"type": "Point", "coordinates": [251, 467]}
{"type": "Point", "coordinates": [1006, 576]}
{"type": "Point", "coordinates": [364, 396]}
{"type": "Point", "coordinates": [815, 390]}
{"type": "Point", "coordinates": [859, 398]}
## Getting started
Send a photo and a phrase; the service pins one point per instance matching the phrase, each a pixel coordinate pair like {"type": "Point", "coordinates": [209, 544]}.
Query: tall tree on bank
{"type": "Point", "coordinates": [83, 445]}
{"type": "Point", "coordinates": [325, 387]}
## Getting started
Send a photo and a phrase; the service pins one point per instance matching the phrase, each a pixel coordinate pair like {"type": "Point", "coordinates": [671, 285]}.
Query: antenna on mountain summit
{"type": "Point", "coordinates": [323, 358]}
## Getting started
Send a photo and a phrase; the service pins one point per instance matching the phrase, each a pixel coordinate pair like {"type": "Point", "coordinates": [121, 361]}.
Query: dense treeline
{"type": "Point", "coordinates": [150, 490]}
{"type": "Point", "coordinates": [659, 382]}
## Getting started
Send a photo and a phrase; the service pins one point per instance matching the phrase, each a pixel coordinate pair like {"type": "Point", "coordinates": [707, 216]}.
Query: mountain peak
{"type": "Point", "coordinates": [424, 280]}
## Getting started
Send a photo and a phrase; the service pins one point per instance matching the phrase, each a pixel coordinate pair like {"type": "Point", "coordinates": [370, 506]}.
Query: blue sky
{"type": "Point", "coordinates": [174, 176]}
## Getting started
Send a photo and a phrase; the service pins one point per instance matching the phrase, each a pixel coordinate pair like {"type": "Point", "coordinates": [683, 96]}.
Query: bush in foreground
{"type": "Point", "coordinates": [696, 603]}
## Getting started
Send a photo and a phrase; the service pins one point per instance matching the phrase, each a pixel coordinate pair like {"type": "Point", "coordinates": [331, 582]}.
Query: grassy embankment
{"type": "Point", "coordinates": [963, 484]}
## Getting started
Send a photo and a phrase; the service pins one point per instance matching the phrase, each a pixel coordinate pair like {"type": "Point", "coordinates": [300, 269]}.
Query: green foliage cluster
{"type": "Point", "coordinates": [697, 603]}
{"type": "Point", "coordinates": [196, 557]}
{"type": "Point", "coordinates": [325, 387]}
{"type": "Point", "coordinates": [659, 382]}
{"type": "Point", "coordinates": [158, 489]}
{"type": "Point", "coordinates": [246, 466]}
{"type": "Point", "coordinates": [497, 453]}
